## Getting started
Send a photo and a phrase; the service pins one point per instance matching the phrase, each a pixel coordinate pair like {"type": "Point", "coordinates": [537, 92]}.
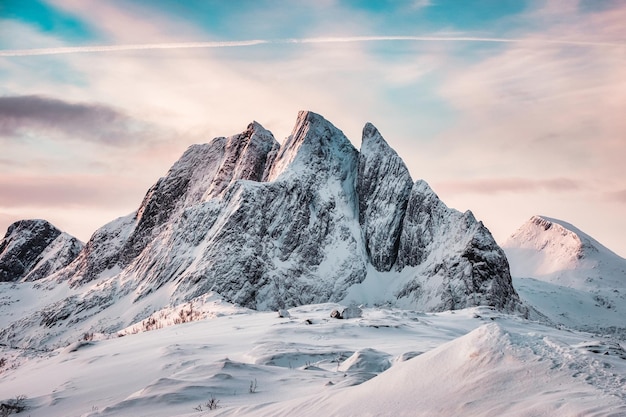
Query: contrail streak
{"type": "Point", "coordinates": [254, 42]}
{"type": "Point", "coordinates": [131, 47]}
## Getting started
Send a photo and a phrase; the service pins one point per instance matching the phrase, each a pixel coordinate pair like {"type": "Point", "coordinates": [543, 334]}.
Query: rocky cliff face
{"type": "Point", "coordinates": [269, 226]}
{"type": "Point", "coordinates": [201, 174]}
{"type": "Point", "coordinates": [34, 249]}
{"type": "Point", "coordinates": [383, 188]}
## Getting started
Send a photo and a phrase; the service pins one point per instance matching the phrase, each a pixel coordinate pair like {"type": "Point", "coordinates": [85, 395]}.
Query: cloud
{"type": "Point", "coordinates": [79, 121]}
{"type": "Point", "coordinates": [66, 191]}
{"type": "Point", "coordinates": [509, 185]}
{"type": "Point", "coordinates": [320, 40]}
{"type": "Point", "coordinates": [131, 47]}
{"type": "Point", "coordinates": [617, 196]}
{"type": "Point", "coordinates": [548, 108]}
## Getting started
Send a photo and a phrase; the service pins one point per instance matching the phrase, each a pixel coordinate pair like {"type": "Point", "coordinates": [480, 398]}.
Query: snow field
{"type": "Point", "coordinates": [389, 362]}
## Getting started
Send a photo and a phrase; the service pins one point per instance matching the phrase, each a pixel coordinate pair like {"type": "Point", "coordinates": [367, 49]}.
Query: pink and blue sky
{"type": "Point", "coordinates": [509, 108]}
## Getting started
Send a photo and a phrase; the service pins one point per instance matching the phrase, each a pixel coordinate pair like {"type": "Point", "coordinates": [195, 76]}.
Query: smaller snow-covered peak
{"type": "Point", "coordinates": [560, 252]}
{"type": "Point", "coordinates": [374, 145]}
{"type": "Point", "coordinates": [30, 247]}
{"type": "Point", "coordinates": [560, 240]}
{"type": "Point", "coordinates": [588, 245]}
{"type": "Point", "coordinates": [542, 247]}
{"type": "Point", "coordinates": [31, 225]}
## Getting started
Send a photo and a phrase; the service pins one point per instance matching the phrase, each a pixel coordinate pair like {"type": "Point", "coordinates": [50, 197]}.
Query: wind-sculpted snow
{"type": "Point", "coordinates": [388, 362]}
{"type": "Point", "coordinates": [269, 226]}
{"type": "Point", "coordinates": [34, 249]}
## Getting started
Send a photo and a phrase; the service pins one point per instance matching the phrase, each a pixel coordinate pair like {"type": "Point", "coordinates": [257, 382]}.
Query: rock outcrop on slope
{"type": "Point", "coordinates": [34, 249]}
{"type": "Point", "coordinates": [460, 263]}
{"type": "Point", "coordinates": [271, 226]}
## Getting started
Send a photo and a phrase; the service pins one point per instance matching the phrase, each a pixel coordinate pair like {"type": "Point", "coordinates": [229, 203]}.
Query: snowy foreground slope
{"type": "Point", "coordinates": [568, 276]}
{"type": "Point", "coordinates": [472, 362]}
{"type": "Point", "coordinates": [269, 226]}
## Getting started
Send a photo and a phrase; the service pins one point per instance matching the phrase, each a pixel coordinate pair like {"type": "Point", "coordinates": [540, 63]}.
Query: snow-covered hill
{"type": "Point", "coordinates": [269, 226]}
{"type": "Point", "coordinates": [568, 276]}
{"type": "Point", "coordinates": [472, 362]}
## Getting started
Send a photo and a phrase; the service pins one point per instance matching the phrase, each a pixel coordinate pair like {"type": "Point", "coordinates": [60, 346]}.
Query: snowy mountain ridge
{"type": "Point", "coordinates": [269, 226]}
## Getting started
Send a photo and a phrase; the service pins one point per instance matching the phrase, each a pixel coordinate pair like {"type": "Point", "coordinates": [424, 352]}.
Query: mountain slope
{"type": "Point", "coordinates": [268, 226]}
{"type": "Point", "coordinates": [568, 275]}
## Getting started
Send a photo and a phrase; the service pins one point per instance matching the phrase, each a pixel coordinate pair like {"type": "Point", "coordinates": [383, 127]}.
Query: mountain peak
{"type": "Point", "coordinates": [33, 249]}
{"type": "Point", "coordinates": [561, 239]}
{"type": "Point", "coordinates": [383, 187]}
{"type": "Point", "coordinates": [315, 145]}
{"type": "Point", "coordinates": [548, 247]}
{"type": "Point", "coordinates": [269, 226]}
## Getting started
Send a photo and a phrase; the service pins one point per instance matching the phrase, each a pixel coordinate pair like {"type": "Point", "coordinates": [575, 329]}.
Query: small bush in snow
{"type": "Point", "coordinates": [252, 386]}
{"type": "Point", "coordinates": [13, 406]}
{"type": "Point", "coordinates": [212, 404]}
{"type": "Point", "coordinates": [186, 316]}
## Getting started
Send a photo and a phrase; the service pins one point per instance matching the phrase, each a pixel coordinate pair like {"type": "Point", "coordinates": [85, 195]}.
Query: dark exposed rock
{"type": "Point", "coordinates": [203, 172]}
{"type": "Point", "coordinates": [352, 312]}
{"type": "Point", "coordinates": [383, 187]}
{"type": "Point", "coordinates": [34, 249]}
{"type": "Point", "coordinates": [456, 250]}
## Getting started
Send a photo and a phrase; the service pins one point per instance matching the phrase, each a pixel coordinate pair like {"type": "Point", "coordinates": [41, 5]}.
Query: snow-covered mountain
{"type": "Point", "coordinates": [34, 249]}
{"type": "Point", "coordinates": [243, 224]}
{"type": "Point", "coordinates": [568, 275]}
{"type": "Point", "coordinates": [270, 226]}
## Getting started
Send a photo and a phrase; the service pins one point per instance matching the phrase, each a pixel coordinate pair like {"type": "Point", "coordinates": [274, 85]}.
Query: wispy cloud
{"type": "Point", "coordinates": [509, 185]}
{"type": "Point", "coordinates": [67, 191]}
{"type": "Point", "coordinates": [79, 121]}
{"type": "Point", "coordinates": [321, 40]}
{"type": "Point", "coordinates": [617, 196]}
{"type": "Point", "coordinates": [132, 47]}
